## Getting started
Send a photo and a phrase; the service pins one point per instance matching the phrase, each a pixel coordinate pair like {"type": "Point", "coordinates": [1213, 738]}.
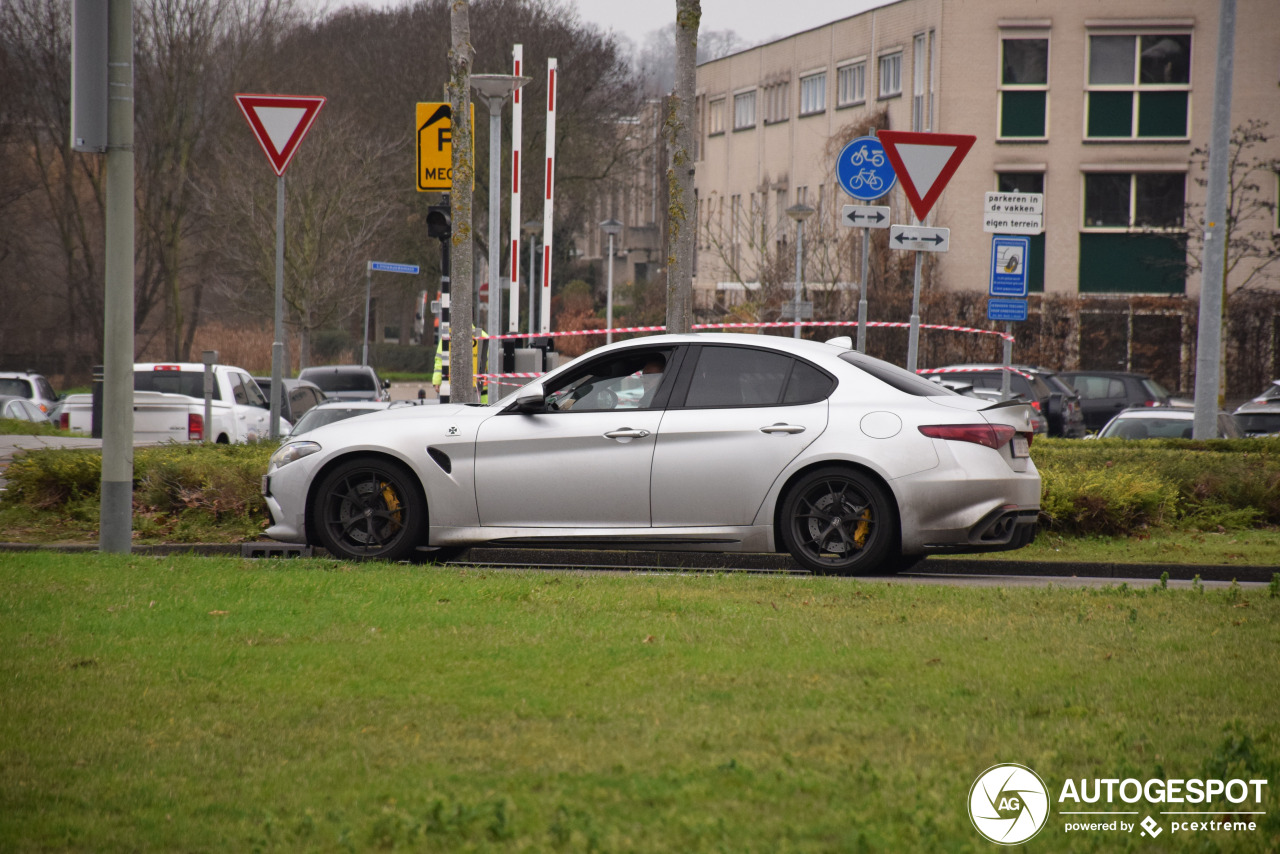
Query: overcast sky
{"type": "Point", "coordinates": [755, 21]}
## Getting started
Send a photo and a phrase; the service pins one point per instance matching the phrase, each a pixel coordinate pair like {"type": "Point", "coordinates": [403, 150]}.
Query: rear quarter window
{"type": "Point", "coordinates": [898, 378]}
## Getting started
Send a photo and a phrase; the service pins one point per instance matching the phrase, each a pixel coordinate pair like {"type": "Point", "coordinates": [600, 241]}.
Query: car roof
{"type": "Point", "coordinates": [1115, 374]}
{"type": "Point", "coordinates": [315, 369]}
{"type": "Point", "coordinates": [353, 404]}
{"type": "Point", "coordinates": [1177, 412]}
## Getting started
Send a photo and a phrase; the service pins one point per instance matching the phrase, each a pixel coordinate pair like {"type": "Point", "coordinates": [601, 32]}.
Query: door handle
{"type": "Point", "coordinates": [626, 433]}
{"type": "Point", "coordinates": [783, 428]}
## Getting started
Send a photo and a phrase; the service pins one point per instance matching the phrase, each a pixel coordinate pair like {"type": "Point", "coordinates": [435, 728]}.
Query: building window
{"type": "Point", "coordinates": [1027, 182]}
{"type": "Point", "coordinates": [1139, 86]}
{"type": "Point", "coordinates": [891, 75]}
{"type": "Point", "coordinates": [851, 84]}
{"type": "Point", "coordinates": [776, 102]}
{"type": "Point", "coordinates": [813, 93]}
{"type": "Point", "coordinates": [715, 117]}
{"type": "Point", "coordinates": [1133, 239]}
{"type": "Point", "coordinates": [744, 110]}
{"type": "Point", "coordinates": [922, 89]}
{"type": "Point", "coordinates": [1024, 88]}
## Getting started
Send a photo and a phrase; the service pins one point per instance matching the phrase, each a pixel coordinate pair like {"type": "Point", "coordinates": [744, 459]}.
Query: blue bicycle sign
{"type": "Point", "coordinates": [863, 170]}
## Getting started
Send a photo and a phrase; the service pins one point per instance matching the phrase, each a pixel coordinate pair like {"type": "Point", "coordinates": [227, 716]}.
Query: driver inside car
{"type": "Point", "coordinates": [630, 384]}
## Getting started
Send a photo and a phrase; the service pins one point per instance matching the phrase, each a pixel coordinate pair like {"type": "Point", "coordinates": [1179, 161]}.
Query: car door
{"type": "Point", "coordinates": [252, 411]}
{"type": "Point", "coordinates": [584, 464]}
{"type": "Point", "coordinates": [744, 413]}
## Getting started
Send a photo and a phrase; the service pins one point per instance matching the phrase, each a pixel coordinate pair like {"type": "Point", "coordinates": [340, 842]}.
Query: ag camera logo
{"type": "Point", "coordinates": [1008, 804]}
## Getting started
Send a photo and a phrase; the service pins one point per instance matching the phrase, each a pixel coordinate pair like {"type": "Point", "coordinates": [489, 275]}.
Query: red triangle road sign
{"type": "Point", "coordinates": [280, 122]}
{"type": "Point", "coordinates": [924, 163]}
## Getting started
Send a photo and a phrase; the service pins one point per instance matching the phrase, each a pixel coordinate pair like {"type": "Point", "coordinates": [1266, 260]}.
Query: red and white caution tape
{"type": "Point", "coordinates": [779, 324]}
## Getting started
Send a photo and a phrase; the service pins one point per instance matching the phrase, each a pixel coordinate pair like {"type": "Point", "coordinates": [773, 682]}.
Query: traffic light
{"type": "Point", "coordinates": [438, 225]}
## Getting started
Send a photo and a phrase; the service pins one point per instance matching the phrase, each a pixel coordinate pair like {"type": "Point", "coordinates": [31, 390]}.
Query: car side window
{"type": "Point", "coordinates": [744, 376]}
{"type": "Point", "coordinates": [807, 384]}
{"type": "Point", "coordinates": [630, 379]}
{"type": "Point", "coordinates": [249, 390]}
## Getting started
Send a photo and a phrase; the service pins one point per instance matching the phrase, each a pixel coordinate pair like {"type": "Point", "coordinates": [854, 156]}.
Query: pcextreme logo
{"type": "Point", "coordinates": [1009, 804]}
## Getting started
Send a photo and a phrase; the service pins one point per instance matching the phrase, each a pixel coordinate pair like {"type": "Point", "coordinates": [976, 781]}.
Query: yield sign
{"type": "Point", "coordinates": [924, 163]}
{"type": "Point", "coordinates": [280, 122]}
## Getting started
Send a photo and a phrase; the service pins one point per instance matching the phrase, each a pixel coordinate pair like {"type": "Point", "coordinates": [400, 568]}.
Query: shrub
{"type": "Point", "coordinates": [51, 478]}
{"type": "Point", "coordinates": [1092, 501]}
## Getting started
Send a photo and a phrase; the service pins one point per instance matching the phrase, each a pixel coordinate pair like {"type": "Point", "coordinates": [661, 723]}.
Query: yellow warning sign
{"type": "Point", "coordinates": [435, 146]}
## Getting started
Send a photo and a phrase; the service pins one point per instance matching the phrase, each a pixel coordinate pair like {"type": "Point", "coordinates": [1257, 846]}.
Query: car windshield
{"type": "Point", "coordinates": [190, 383]}
{"type": "Point", "coordinates": [318, 417]}
{"type": "Point", "coordinates": [15, 386]}
{"type": "Point", "coordinates": [1157, 391]}
{"type": "Point", "coordinates": [1147, 428]}
{"type": "Point", "coordinates": [342, 380]}
{"type": "Point", "coordinates": [1259, 422]}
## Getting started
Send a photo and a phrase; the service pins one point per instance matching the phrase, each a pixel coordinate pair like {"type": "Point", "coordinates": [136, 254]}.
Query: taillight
{"type": "Point", "coordinates": [1035, 404]}
{"type": "Point", "coordinates": [1151, 403]}
{"type": "Point", "coordinates": [992, 435]}
{"type": "Point", "coordinates": [64, 421]}
{"type": "Point", "coordinates": [195, 427]}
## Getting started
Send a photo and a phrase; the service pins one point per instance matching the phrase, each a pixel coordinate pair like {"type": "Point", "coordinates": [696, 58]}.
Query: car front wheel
{"type": "Point", "coordinates": [838, 522]}
{"type": "Point", "coordinates": [369, 509]}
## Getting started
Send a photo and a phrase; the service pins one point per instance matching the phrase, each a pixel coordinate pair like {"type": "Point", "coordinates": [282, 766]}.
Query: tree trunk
{"type": "Point", "coordinates": [461, 311]}
{"type": "Point", "coordinates": [680, 206]}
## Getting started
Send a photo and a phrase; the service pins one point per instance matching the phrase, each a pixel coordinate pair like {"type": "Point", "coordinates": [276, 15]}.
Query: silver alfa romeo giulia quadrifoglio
{"type": "Point", "coordinates": [703, 442]}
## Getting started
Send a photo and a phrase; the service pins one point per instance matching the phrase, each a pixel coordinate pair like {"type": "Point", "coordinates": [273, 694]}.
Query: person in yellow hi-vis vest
{"type": "Point", "coordinates": [437, 375]}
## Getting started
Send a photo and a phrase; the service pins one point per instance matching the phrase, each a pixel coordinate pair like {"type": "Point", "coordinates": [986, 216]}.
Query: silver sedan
{"type": "Point", "coordinates": [703, 442]}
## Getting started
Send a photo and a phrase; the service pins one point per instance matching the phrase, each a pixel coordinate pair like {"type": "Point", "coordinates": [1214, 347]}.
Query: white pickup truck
{"type": "Point", "coordinates": [168, 405]}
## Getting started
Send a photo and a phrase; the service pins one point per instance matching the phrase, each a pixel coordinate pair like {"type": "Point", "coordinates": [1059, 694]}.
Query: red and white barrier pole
{"type": "Point", "coordinates": [548, 196]}
{"type": "Point", "coordinates": [517, 130]}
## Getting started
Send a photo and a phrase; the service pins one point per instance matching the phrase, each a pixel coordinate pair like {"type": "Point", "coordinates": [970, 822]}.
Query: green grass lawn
{"type": "Point", "coordinates": [225, 705]}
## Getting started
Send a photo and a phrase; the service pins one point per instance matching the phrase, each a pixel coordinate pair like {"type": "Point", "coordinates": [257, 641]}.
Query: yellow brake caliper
{"type": "Point", "coordinates": [392, 501]}
{"type": "Point", "coordinates": [863, 530]}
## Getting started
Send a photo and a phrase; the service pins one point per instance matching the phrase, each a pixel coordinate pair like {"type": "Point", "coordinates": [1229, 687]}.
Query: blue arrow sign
{"type": "Point", "coordinates": [1006, 309]}
{"type": "Point", "coordinates": [384, 267]}
{"type": "Point", "coordinates": [864, 171]}
{"type": "Point", "coordinates": [1009, 262]}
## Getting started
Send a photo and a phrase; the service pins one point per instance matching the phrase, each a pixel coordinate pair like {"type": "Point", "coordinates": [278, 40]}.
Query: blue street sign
{"type": "Point", "coordinates": [1009, 257]}
{"type": "Point", "coordinates": [384, 267]}
{"type": "Point", "coordinates": [863, 170]}
{"type": "Point", "coordinates": [1006, 309]}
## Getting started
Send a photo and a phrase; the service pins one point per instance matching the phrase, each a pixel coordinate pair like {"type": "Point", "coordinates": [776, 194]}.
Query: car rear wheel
{"type": "Point", "coordinates": [838, 522]}
{"type": "Point", "coordinates": [369, 509]}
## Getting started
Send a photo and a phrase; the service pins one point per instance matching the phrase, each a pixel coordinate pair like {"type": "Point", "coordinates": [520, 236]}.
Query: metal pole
{"type": "Point", "coordinates": [862, 296]}
{"type": "Point", "coordinates": [1006, 380]}
{"type": "Point", "coordinates": [913, 340]}
{"type": "Point", "coordinates": [533, 286]}
{"type": "Point", "coordinates": [277, 344]}
{"type": "Point", "coordinates": [799, 256]}
{"type": "Point", "coordinates": [115, 512]}
{"type": "Point", "coordinates": [368, 292]}
{"type": "Point", "coordinates": [495, 233]}
{"type": "Point", "coordinates": [446, 322]}
{"type": "Point", "coordinates": [608, 302]}
{"type": "Point", "coordinates": [1209, 333]}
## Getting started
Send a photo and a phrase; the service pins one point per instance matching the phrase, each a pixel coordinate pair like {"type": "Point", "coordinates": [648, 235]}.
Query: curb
{"type": "Point", "coordinates": [604, 559]}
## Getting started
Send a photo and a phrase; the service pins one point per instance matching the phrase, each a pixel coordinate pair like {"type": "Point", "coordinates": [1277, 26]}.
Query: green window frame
{"type": "Point", "coordinates": [1024, 88]}
{"type": "Point", "coordinates": [1133, 239]}
{"type": "Point", "coordinates": [1139, 86]}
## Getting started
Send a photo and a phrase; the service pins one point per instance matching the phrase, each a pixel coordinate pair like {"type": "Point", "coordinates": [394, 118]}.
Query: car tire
{"type": "Point", "coordinates": [838, 521]}
{"type": "Point", "coordinates": [369, 509]}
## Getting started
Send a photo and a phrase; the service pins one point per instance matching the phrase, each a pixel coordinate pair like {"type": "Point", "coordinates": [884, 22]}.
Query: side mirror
{"type": "Point", "coordinates": [531, 398]}
{"type": "Point", "coordinates": [386, 383]}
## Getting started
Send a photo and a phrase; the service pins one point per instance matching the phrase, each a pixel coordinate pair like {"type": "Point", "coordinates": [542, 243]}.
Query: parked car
{"type": "Point", "coordinates": [348, 382]}
{"type": "Point", "coordinates": [20, 409]}
{"type": "Point", "coordinates": [1270, 394]}
{"type": "Point", "coordinates": [747, 443]}
{"type": "Point", "coordinates": [330, 411]}
{"type": "Point", "coordinates": [987, 381]}
{"type": "Point", "coordinates": [299, 396]}
{"type": "Point", "coordinates": [1104, 393]}
{"type": "Point", "coordinates": [1163, 422]}
{"type": "Point", "coordinates": [1259, 419]}
{"type": "Point", "coordinates": [33, 387]}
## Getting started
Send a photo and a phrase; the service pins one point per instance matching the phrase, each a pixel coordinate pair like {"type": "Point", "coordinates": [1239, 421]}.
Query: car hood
{"type": "Point", "coordinates": [364, 428]}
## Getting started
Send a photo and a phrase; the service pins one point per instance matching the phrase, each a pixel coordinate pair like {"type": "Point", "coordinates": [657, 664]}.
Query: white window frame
{"type": "Point", "coordinates": [889, 61]}
{"type": "Point", "coordinates": [845, 74]}
{"type": "Point", "coordinates": [1136, 87]}
{"type": "Point", "coordinates": [1002, 87]}
{"type": "Point", "coordinates": [1132, 171]}
{"type": "Point", "coordinates": [817, 79]}
{"type": "Point", "coordinates": [715, 116]}
{"type": "Point", "coordinates": [744, 110]}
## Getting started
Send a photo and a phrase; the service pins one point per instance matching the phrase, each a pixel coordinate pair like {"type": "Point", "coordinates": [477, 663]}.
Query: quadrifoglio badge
{"type": "Point", "coordinates": [1010, 803]}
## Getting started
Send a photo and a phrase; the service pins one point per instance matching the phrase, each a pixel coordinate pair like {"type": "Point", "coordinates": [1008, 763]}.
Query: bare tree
{"type": "Point", "coordinates": [680, 210]}
{"type": "Point", "coordinates": [655, 61]}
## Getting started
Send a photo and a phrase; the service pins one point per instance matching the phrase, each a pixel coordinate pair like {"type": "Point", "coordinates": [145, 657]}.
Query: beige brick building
{"type": "Point", "coordinates": [1096, 104]}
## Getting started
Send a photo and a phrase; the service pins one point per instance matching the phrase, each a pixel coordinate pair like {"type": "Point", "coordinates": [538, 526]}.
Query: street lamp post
{"type": "Point", "coordinates": [492, 90]}
{"type": "Point", "coordinates": [799, 212]}
{"type": "Point", "coordinates": [531, 229]}
{"type": "Point", "coordinates": [612, 228]}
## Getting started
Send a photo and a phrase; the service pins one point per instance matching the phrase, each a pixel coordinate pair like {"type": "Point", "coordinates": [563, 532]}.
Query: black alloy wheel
{"type": "Point", "coordinates": [838, 522]}
{"type": "Point", "coordinates": [369, 509]}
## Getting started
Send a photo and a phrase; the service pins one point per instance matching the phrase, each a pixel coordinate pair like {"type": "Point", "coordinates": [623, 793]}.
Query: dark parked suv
{"type": "Point", "coordinates": [348, 382]}
{"type": "Point", "coordinates": [1104, 393]}
{"type": "Point", "coordinates": [1056, 400]}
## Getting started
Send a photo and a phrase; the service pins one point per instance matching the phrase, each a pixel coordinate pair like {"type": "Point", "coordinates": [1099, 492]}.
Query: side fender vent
{"type": "Point", "coordinates": [442, 459]}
